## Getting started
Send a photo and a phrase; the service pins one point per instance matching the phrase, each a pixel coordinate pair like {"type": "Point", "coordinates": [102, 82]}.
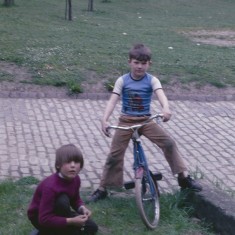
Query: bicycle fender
{"type": "Point", "coordinates": [139, 173]}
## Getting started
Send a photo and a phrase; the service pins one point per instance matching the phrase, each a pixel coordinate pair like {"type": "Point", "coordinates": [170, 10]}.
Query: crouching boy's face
{"type": "Point", "coordinates": [69, 161]}
{"type": "Point", "coordinates": [69, 170]}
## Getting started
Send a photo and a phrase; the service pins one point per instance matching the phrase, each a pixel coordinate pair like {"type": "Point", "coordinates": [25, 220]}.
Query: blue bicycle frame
{"type": "Point", "coordinates": [147, 194]}
{"type": "Point", "coordinates": [141, 165]}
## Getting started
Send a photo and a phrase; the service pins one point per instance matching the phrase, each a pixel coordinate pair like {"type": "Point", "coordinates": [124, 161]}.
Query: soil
{"type": "Point", "coordinates": [20, 85]}
{"type": "Point", "coordinates": [223, 38]}
{"type": "Point", "coordinates": [17, 88]}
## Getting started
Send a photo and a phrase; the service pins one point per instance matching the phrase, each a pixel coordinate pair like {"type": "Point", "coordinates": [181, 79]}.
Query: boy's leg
{"type": "Point", "coordinates": [158, 136]}
{"type": "Point", "coordinates": [90, 227]}
{"type": "Point", "coordinates": [62, 207]}
{"type": "Point", "coordinates": [113, 169]}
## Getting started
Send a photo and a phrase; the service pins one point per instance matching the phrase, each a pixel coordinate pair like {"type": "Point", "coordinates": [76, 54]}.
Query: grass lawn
{"type": "Point", "coordinates": [116, 215]}
{"type": "Point", "coordinates": [192, 41]}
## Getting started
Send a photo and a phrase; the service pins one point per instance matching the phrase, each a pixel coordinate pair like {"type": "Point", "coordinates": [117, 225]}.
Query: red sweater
{"type": "Point", "coordinates": [42, 205]}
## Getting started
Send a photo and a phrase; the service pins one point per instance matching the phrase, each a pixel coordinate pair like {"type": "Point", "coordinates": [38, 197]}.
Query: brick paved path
{"type": "Point", "coordinates": [31, 130]}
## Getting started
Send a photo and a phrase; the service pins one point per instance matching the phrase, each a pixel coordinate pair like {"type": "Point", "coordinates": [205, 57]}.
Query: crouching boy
{"type": "Point", "coordinates": [56, 207]}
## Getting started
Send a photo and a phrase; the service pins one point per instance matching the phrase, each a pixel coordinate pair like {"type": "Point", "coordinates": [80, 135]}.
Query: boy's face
{"type": "Point", "coordinates": [69, 170]}
{"type": "Point", "coordinates": [138, 68]}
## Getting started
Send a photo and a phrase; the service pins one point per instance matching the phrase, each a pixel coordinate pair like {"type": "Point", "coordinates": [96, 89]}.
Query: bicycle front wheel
{"type": "Point", "coordinates": [147, 203]}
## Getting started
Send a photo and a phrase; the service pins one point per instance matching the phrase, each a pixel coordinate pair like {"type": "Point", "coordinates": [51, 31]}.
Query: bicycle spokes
{"type": "Point", "coordinates": [147, 201]}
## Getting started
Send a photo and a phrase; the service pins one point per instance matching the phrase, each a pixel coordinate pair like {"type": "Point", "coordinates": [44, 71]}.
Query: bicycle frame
{"type": "Point", "coordinates": [140, 163]}
{"type": "Point", "coordinates": [146, 189]}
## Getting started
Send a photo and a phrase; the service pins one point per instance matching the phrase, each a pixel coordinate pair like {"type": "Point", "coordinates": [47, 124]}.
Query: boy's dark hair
{"type": "Point", "coordinates": [68, 153]}
{"type": "Point", "coordinates": [140, 52]}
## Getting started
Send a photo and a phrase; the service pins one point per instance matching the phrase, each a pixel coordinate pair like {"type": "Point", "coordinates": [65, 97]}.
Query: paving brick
{"type": "Point", "coordinates": [31, 130]}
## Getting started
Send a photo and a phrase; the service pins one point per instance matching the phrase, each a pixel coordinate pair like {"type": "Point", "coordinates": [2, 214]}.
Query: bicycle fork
{"type": "Point", "coordinates": [141, 167]}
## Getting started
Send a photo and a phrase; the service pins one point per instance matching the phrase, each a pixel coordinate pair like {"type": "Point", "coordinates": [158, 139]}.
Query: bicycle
{"type": "Point", "coordinates": [146, 187]}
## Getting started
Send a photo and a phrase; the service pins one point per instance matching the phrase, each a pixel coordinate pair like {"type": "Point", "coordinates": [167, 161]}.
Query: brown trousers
{"type": "Point", "coordinates": [113, 168]}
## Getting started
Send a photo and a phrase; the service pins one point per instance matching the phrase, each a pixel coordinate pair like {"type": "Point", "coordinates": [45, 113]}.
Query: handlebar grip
{"type": "Point", "coordinates": [159, 118]}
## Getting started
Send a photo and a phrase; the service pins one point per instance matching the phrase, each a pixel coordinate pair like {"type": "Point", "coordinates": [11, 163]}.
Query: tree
{"type": "Point", "coordinates": [8, 3]}
{"type": "Point", "coordinates": [68, 9]}
{"type": "Point", "coordinates": [90, 5]}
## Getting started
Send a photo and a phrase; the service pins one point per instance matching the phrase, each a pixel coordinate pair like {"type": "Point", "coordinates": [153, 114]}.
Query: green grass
{"type": "Point", "coordinates": [116, 215]}
{"type": "Point", "coordinates": [59, 52]}
{"type": "Point", "coordinates": [14, 199]}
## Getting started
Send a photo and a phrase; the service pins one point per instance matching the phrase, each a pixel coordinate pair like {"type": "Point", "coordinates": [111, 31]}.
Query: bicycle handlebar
{"type": "Point", "coordinates": [134, 127]}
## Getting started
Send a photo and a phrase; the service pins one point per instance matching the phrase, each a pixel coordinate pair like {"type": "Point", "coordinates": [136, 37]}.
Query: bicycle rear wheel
{"type": "Point", "coordinates": [148, 204]}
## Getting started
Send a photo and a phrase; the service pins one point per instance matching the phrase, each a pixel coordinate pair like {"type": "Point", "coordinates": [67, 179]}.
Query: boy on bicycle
{"type": "Point", "coordinates": [136, 88]}
{"type": "Point", "coordinates": [50, 209]}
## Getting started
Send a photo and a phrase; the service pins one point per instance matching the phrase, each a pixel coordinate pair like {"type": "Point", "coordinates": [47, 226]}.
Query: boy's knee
{"type": "Point", "coordinates": [63, 199]}
{"type": "Point", "coordinates": [62, 205]}
{"type": "Point", "coordinates": [91, 227]}
{"type": "Point", "coordinates": [169, 144]}
{"type": "Point", "coordinates": [113, 160]}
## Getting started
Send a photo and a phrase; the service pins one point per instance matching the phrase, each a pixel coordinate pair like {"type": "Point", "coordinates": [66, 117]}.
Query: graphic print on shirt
{"type": "Point", "coordinates": [135, 102]}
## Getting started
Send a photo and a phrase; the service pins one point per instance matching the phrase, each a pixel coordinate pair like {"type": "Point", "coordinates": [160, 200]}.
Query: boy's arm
{"type": "Point", "coordinates": [164, 103]}
{"type": "Point", "coordinates": [108, 111]}
{"type": "Point", "coordinates": [46, 214]}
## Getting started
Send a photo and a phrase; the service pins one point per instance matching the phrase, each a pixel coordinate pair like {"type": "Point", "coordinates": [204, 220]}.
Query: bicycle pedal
{"type": "Point", "coordinates": [157, 176]}
{"type": "Point", "coordinates": [129, 185]}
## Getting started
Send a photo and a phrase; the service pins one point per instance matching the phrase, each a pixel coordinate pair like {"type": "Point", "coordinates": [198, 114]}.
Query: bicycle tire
{"type": "Point", "coordinates": [148, 206]}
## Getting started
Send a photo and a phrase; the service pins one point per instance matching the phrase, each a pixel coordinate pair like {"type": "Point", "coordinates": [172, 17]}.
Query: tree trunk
{"type": "Point", "coordinates": [8, 3]}
{"type": "Point", "coordinates": [68, 9]}
{"type": "Point", "coordinates": [90, 5]}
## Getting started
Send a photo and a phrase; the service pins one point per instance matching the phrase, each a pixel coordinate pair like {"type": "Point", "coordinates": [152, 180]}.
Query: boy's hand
{"type": "Point", "coordinates": [85, 211]}
{"type": "Point", "coordinates": [166, 115]}
{"type": "Point", "coordinates": [79, 220]}
{"type": "Point", "coordinates": [105, 129]}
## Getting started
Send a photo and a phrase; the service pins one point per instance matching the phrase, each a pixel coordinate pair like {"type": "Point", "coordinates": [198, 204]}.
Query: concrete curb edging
{"type": "Point", "coordinates": [216, 207]}
{"type": "Point", "coordinates": [105, 96]}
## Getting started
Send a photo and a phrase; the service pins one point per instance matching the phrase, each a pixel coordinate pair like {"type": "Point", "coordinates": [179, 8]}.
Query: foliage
{"type": "Point", "coordinates": [36, 35]}
{"type": "Point", "coordinates": [74, 87]}
{"type": "Point", "coordinates": [5, 76]}
{"type": "Point", "coordinates": [27, 181]}
{"type": "Point", "coordinates": [109, 85]}
{"type": "Point", "coordinates": [119, 216]}
{"type": "Point", "coordinates": [116, 215]}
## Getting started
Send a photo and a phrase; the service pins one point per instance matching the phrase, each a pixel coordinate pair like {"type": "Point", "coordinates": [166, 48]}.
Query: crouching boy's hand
{"type": "Point", "coordinates": [83, 210]}
{"type": "Point", "coordinates": [79, 220]}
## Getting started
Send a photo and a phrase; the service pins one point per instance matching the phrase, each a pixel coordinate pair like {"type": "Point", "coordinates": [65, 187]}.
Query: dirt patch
{"type": "Point", "coordinates": [205, 93]}
{"type": "Point", "coordinates": [17, 88]}
{"type": "Point", "coordinates": [17, 83]}
{"type": "Point", "coordinates": [15, 80]}
{"type": "Point", "coordinates": [224, 38]}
